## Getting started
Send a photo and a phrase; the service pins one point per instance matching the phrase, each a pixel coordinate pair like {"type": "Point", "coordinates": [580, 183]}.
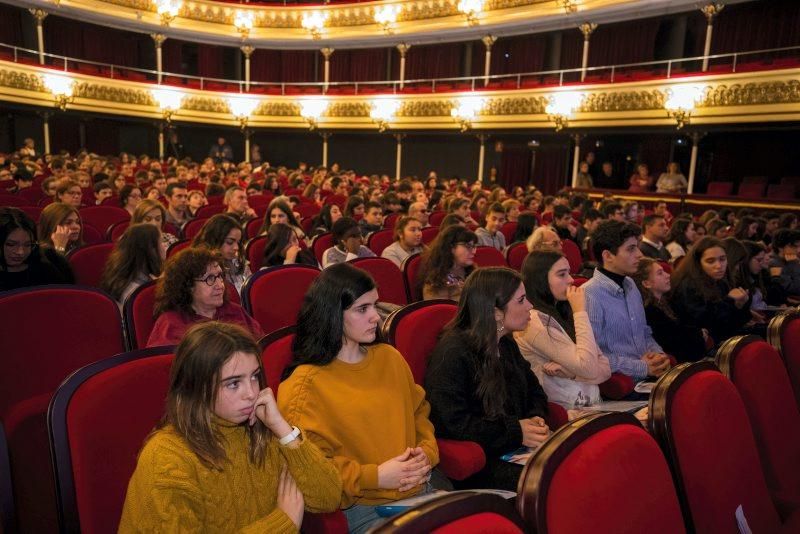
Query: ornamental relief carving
{"type": "Point", "coordinates": [426, 108]}
{"type": "Point", "coordinates": [624, 101]}
{"type": "Point", "coordinates": [348, 109]}
{"type": "Point", "coordinates": [205, 104]}
{"type": "Point", "coordinates": [122, 95]}
{"type": "Point", "coordinates": [755, 93]}
{"type": "Point", "coordinates": [515, 106]}
{"type": "Point", "coordinates": [21, 80]}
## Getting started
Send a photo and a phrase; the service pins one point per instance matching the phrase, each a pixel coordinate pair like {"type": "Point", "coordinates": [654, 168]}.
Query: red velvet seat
{"type": "Point", "coordinates": [34, 212]}
{"type": "Point", "coordinates": [390, 220]}
{"type": "Point", "coordinates": [320, 244]}
{"type": "Point", "coordinates": [508, 230]}
{"type": "Point", "coordinates": [573, 254]}
{"type": "Point", "coordinates": [83, 326]}
{"type": "Point", "coordinates": [177, 246]}
{"type": "Point", "coordinates": [436, 217]}
{"type": "Point", "coordinates": [489, 257]}
{"type": "Point", "coordinates": [115, 231]}
{"type": "Point", "coordinates": [103, 217]}
{"type": "Point", "coordinates": [784, 335]}
{"type": "Point", "coordinates": [781, 192]}
{"type": "Point", "coordinates": [339, 200]}
{"type": "Point", "coordinates": [138, 315]}
{"type": "Point", "coordinates": [273, 296]}
{"type": "Point", "coordinates": [378, 241]}
{"type": "Point", "coordinates": [751, 190]}
{"type": "Point", "coordinates": [411, 272]}
{"type": "Point", "coordinates": [7, 199]}
{"type": "Point", "coordinates": [458, 512]}
{"type": "Point", "coordinates": [700, 421]}
{"type": "Point", "coordinates": [209, 211]}
{"type": "Point", "coordinates": [98, 421]}
{"type": "Point", "coordinates": [193, 227]}
{"type": "Point", "coordinates": [92, 235]}
{"type": "Point", "coordinates": [429, 234]}
{"type": "Point", "coordinates": [515, 255]}
{"type": "Point", "coordinates": [580, 480]}
{"type": "Point", "coordinates": [720, 189]}
{"type": "Point", "coordinates": [252, 227]}
{"type": "Point", "coordinates": [254, 251]}
{"type": "Point", "coordinates": [88, 263]}
{"type": "Point", "coordinates": [32, 194]}
{"type": "Point", "coordinates": [761, 379]}
{"type": "Point", "coordinates": [7, 517]}
{"type": "Point", "coordinates": [388, 278]}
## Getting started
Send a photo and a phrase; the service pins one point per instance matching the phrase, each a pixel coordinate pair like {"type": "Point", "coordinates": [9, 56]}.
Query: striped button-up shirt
{"type": "Point", "coordinates": [619, 324]}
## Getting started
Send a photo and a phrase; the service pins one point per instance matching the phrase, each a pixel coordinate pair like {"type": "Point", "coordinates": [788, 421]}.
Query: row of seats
{"type": "Point", "coordinates": [758, 187]}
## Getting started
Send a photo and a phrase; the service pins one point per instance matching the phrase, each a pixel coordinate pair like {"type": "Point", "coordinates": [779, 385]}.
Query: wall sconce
{"type": "Point", "coordinates": [561, 107]}
{"type": "Point", "coordinates": [681, 101]}
{"type": "Point", "coordinates": [168, 100]}
{"type": "Point", "coordinates": [471, 9]}
{"type": "Point", "coordinates": [167, 10]}
{"type": "Point", "coordinates": [243, 21]}
{"type": "Point", "coordinates": [569, 6]}
{"type": "Point", "coordinates": [383, 110]}
{"type": "Point", "coordinates": [386, 16]}
{"type": "Point", "coordinates": [311, 109]}
{"type": "Point", "coordinates": [61, 87]}
{"type": "Point", "coordinates": [314, 22]}
{"type": "Point", "coordinates": [465, 109]}
{"type": "Point", "coordinates": [242, 108]}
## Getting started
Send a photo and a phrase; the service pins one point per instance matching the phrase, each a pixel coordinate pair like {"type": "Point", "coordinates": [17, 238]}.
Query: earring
{"type": "Point", "coordinates": [501, 327]}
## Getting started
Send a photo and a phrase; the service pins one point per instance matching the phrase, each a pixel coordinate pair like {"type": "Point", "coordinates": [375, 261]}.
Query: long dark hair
{"type": "Point", "coordinates": [323, 218]}
{"type": "Point", "coordinates": [15, 219]}
{"type": "Point", "coordinates": [138, 252]}
{"type": "Point", "coordinates": [526, 224]}
{"type": "Point", "coordinates": [285, 208]}
{"type": "Point", "coordinates": [484, 291]}
{"type": "Point", "coordinates": [278, 238]}
{"type": "Point", "coordinates": [535, 271]}
{"type": "Point", "coordinates": [438, 259]}
{"type": "Point", "coordinates": [743, 226]}
{"type": "Point", "coordinates": [691, 275]}
{"type": "Point", "coordinates": [320, 322]}
{"type": "Point", "coordinates": [642, 274]}
{"type": "Point", "coordinates": [213, 234]}
{"type": "Point", "coordinates": [677, 232]}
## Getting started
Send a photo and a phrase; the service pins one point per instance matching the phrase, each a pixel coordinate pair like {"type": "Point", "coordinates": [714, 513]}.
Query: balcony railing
{"type": "Point", "coordinates": [773, 58]}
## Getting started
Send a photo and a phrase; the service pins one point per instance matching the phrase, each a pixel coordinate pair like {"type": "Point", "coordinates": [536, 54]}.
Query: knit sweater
{"type": "Point", "coordinates": [361, 415]}
{"type": "Point", "coordinates": [172, 491]}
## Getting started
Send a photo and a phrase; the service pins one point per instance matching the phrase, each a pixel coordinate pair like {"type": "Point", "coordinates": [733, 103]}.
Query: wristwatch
{"type": "Point", "coordinates": [290, 437]}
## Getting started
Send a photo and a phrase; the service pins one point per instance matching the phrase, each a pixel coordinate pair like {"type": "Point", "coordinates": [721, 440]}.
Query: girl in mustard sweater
{"type": "Point", "coordinates": [357, 400]}
{"type": "Point", "coordinates": [223, 458]}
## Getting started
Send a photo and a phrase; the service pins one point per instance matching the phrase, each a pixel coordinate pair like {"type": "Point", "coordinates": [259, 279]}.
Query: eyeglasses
{"type": "Point", "coordinates": [469, 246]}
{"type": "Point", "coordinates": [211, 279]}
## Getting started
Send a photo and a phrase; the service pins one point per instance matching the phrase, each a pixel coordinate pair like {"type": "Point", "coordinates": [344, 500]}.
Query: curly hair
{"type": "Point", "coordinates": [438, 259]}
{"type": "Point", "coordinates": [174, 290]}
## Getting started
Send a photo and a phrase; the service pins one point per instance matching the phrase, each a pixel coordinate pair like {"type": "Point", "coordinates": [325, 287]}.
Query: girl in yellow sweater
{"type": "Point", "coordinates": [356, 399]}
{"type": "Point", "coordinates": [223, 458]}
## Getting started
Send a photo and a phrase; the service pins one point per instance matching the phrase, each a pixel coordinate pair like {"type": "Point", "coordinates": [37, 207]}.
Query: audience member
{"type": "Point", "coordinates": [69, 192]}
{"type": "Point", "coordinates": [129, 197]}
{"type": "Point", "coordinates": [544, 238]}
{"type": "Point", "coordinates": [655, 234]}
{"type": "Point", "coordinates": [223, 233]}
{"type": "Point", "coordinates": [136, 259]}
{"type": "Point", "coordinates": [460, 207]}
{"type": "Point", "coordinates": [102, 191]}
{"type": "Point", "coordinates": [283, 248]}
{"type": "Point", "coordinates": [742, 275]}
{"type": "Point", "coordinates": [22, 262]}
{"type": "Point", "coordinates": [559, 342]}
{"type": "Point", "coordinates": [60, 228]}
{"type": "Point", "coordinates": [615, 305]}
{"type": "Point", "coordinates": [420, 212]}
{"type": "Point", "coordinates": [325, 219]}
{"type": "Point", "coordinates": [177, 204]}
{"type": "Point", "coordinates": [511, 207]}
{"type": "Point", "coordinates": [784, 267]}
{"type": "Point", "coordinates": [641, 182]}
{"type": "Point", "coordinates": [590, 219]}
{"type": "Point", "coordinates": [451, 219]}
{"type": "Point", "coordinates": [237, 205]}
{"type": "Point", "coordinates": [356, 398]}
{"type": "Point", "coordinates": [192, 290]}
{"type": "Point", "coordinates": [447, 263]}
{"type": "Point", "coordinates": [672, 181]}
{"type": "Point", "coordinates": [348, 243]}
{"type": "Point", "coordinates": [680, 238]}
{"type": "Point", "coordinates": [746, 228]}
{"type": "Point", "coordinates": [373, 218]}
{"type": "Point", "coordinates": [613, 211]}
{"type": "Point", "coordinates": [223, 458]}
{"type": "Point", "coordinates": [407, 240]}
{"type": "Point", "coordinates": [153, 212]}
{"type": "Point", "coordinates": [562, 223]}
{"type": "Point", "coordinates": [607, 178]}
{"type": "Point", "coordinates": [490, 234]}
{"type": "Point", "coordinates": [196, 200]}
{"type": "Point", "coordinates": [279, 212]}
{"type": "Point", "coordinates": [480, 387]}
{"type": "Point", "coordinates": [584, 179]}
{"type": "Point", "coordinates": [526, 224]}
{"type": "Point", "coordinates": [354, 208]}
{"type": "Point", "coordinates": [221, 151]}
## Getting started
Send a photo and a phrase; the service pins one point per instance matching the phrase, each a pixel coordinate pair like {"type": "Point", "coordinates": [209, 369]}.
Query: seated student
{"type": "Point", "coordinates": [754, 277]}
{"type": "Point", "coordinates": [511, 207]}
{"type": "Point", "coordinates": [197, 199]}
{"type": "Point", "coordinates": [237, 205]}
{"type": "Point", "coordinates": [222, 232]}
{"type": "Point", "coordinates": [447, 263]}
{"type": "Point", "coordinates": [348, 243]}
{"type": "Point", "coordinates": [526, 224]}
{"type": "Point", "coordinates": [739, 267]}
{"type": "Point", "coordinates": [223, 458]}
{"type": "Point", "coordinates": [60, 228]}
{"type": "Point", "coordinates": [192, 290]}
{"type": "Point", "coordinates": [283, 248]}
{"type": "Point", "coordinates": [372, 221]}
{"type": "Point", "coordinates": [704, 296]}
{"type": "Point", "coordinates": [451, 219]}
{"type": "Point", "coordinates": [490, 234]}
{"type": "Point", "coordinates": [785, 267]}
{"type": "Point", "coordinates": [136, 259]}
{"type": "Point", "coordinates": [22, 262]}
{"type": "Point", "coordinates": [613, 211]}
{"type": "Point", "coordinates": [323, 222]}
{"type": "Point", "coordinates": [686, 343]}
{"type": "Point", "coordinates": [69, 192]}
{"type": "Point", "coordinates": [559, 342]}
{"type": "Point", "coordinates": [615, 304]}
{"type": "Point", "coordinates": [354, 208]}
{"type": "Point", "coordinates": [680, 238]}
{"type": "Point", "coordinates": [407, 241]}
{"type": "Point", "coordinates": [655, 233]}
{"type": "Point", "coordinates": [746, 228]}
{"type": "Point", "coordinates": [562, 222]}
{"type": "Point", "coordinates": [102, 191]}
{"type": "Point", "coordinates": [279, 212]}
{"type": "Point", "coordinates": [356, 398]}
{"type": "Point", "coordinates": [129, 197]}
{"type": "Point", "coordinates": [544, 238]}
{"type": "Point", "coordinates": [480, 387]}
{"type": "Point", "coordinates": [460, 206]}
{"type": "Point", "coordinates": [177, 196]}
{"type": "Point", "coordinates": [151, 211]}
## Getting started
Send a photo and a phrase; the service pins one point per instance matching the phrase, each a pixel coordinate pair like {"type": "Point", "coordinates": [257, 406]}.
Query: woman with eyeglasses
{"type": "Point", "coordinates": [447, 263]}
{"type": "Point", "coordinates": [192, 290]}
{"type": "Point", "coordinates": [223, 232]}
{"type": "Point", "coordinates": [22, 262]}
{"type": "Point", "coordinates": [129, 197]}
{"type": "Point", "coordinates": [69, 192]}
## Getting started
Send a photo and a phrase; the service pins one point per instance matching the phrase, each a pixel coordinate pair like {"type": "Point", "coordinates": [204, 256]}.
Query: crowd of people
{"type": "Point", "coordinates": [349, 428]}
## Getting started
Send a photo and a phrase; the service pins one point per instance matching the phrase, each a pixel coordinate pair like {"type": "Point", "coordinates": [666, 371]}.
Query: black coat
{"type": "Point", "coordinates": [686, 343]}
{"type": "Point", "coordinates": [719, 316]}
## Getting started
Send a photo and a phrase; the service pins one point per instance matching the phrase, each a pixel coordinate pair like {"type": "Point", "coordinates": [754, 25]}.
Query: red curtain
{"type": "Point", "coordinates": [654, 151]}
{"type": "Point", "coordinates": [209, 61]}
{"type": "Point", "coordinates": [90, 42]}
{"type": "Point", "coordinates": [11, 20]}
{"type": "Point", "coordinates": [571, 49]}
{"type": "Point", "coordinates": [172, 56]}
{"type": "Point", "coordinates": [550, 168]}
{"type": "Point", "coordinates": [512, 55]}
{"type": "Point", "coordinates": [359, 65]}
{"type": "Point", "coordinates": [298, 65]}
{"type": "Point", "coordinates": [434, 61]}
{"type": "Point", "coordinates": [515, 166]}
{"type": "Point", "coordinates": [623, 42]}
{"type": "Point", "coordinates": [102, 136]}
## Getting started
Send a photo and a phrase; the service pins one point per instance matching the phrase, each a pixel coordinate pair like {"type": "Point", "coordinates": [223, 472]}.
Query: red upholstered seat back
{"type": "Point", "coordinates": [92, 235]}
{"type": "Point", "coordinates": [34, 212]}
{"type": "Point", "coordinates": [720, 188]}
{"type": "Point", "coordinates": [252, 228]}
{"type": "Point", "coordinates": [762, 382]}
{"type": "Point", "coordinates": [116, 230]}
{"type": "Point", "coordinates": [273, 296]}
{"type": "Point", "coordinates": [592, 484]}
{"type": "Point", "coordinates": [715, 454]}
{"type": "Point", "coordinates": [177, 246]}
{"type": "Point", "coordinates": [193, 227]}
{"type": "Point", "coordinates": [415, 329]}
{"type": "Point", "coordinates": [379, 240]}
{"type": "Point", "coordinates": [339, 200]}
{"type": "Point", "coordinates": [390, 220]}
{"type": "Point", "coordinates": [429, 234]}
{"type": "Point", "coordinates": [411, 269]}
{"type": "Point", "coordinates": [790, 350]}
{"type": "Point", "coordinates": [480, 523]}
{"type": "Point", "coordinates": [88, 263]}
{"type": "Point", "coordinates": [14, 200]}
{"type": "Point", "coordinates": [105, 423]}
{"type": "Point", "coordinates": [509, 229]}
{"type": "Point", "coordinates": [489, 257]}
{"type": "Point", "coordinates": [254, 251]}
{"type": "Point", "coordinates": [209, 211]}
{"type": "Point", "coordinates": [276, 353]}
{"type": "Point", "coordinates": [515, 255]}
{"type": "Point", "coordinates": [388, 278]}
{"type": "Point", "coordinates": [320, 244]}
{"type": "Point", "coordinates": [573, 254]}
{"type": "Point", "coordinates": [138, 313]}
{"type": "Point", "coordinates": [103, 217]}
{"type": "Point", "coordinates": [436, 217]}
